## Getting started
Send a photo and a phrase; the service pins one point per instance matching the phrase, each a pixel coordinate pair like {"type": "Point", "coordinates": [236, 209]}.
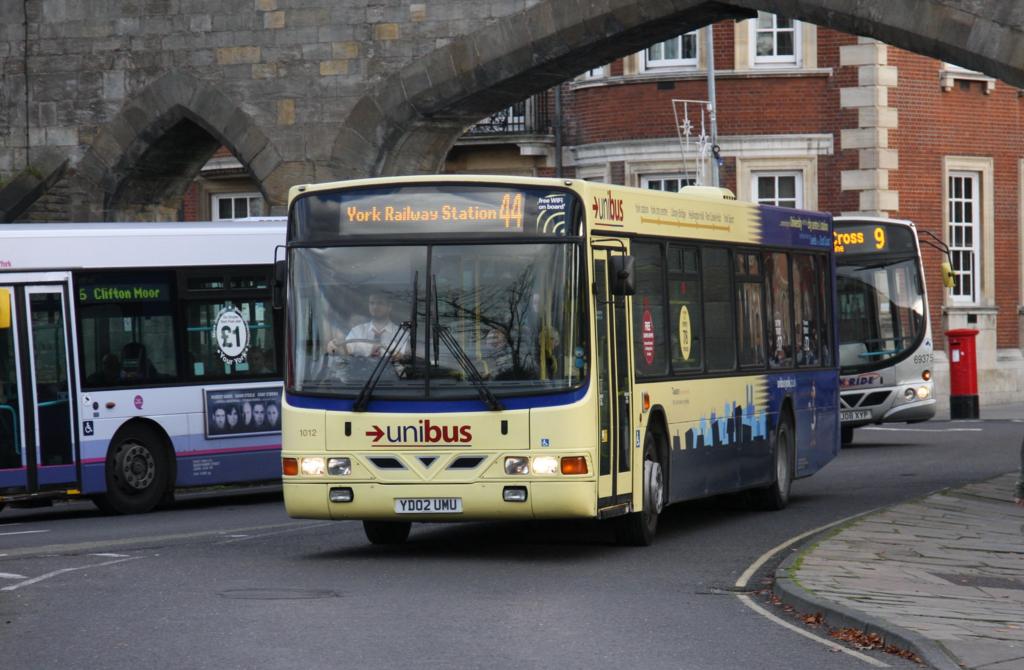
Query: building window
{"type": "Point", "coordinates": [593, 73]}
{"type": "Point", "coordinates": [775, 40]}
{"type": "Point", "coordinates": [964, 225]}
{"type": "Point", "coordinates": [236, 205]}
{"type": "Point", "coordinates": [783, 189]}
{"type": "Point", "coordinates": [666, 182]}
{"type": "Point", "coordinates": [680, 51]}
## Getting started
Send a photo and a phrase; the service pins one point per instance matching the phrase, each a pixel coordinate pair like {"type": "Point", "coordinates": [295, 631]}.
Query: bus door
{"type": "Point", "coordinates": [615, 481]}
{"type": "Point", "coordinates": [37, 434]}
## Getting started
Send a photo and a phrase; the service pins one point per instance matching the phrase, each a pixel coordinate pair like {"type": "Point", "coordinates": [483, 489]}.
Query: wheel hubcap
{"type": "Point", "coordinates": [138, 468]}
{"type": "Point", "coordinates": [782, 463]}
{"type": "Point", "coordinates": [655, 485]}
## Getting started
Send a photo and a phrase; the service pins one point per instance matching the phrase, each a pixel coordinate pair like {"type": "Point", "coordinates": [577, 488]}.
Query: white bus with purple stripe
{"type": "Point", "coordinates": [137, 358]}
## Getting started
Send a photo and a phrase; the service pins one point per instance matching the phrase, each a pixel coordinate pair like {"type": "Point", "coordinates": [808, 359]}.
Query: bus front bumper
{"type": "Point", "coordinates": [479, 501]}
{"type": "Point", "coordinates": [910, 412]}
{"type": "Point", "coordinates": [921, 410]}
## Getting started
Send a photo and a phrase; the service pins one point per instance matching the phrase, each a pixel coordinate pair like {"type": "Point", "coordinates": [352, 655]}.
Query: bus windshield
{"type": "Point", "coordinates": [881, 311]}
{"type": "Point", "coordinates": [444, 317]}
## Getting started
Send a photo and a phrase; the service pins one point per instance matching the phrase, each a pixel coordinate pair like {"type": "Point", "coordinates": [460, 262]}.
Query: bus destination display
{"type": "Point", "coordinates": [412, 209]}
{"type": "Point", "coordinates": [872, 239]}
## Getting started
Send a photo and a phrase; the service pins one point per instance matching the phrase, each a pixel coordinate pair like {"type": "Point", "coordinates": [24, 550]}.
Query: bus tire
{"type": "Point", "coordinates": [775, 496]}
{"type": "Point", "coordinates": [638, 529]}
{"type": "Point", "coordinates": [137, 472]}
{"type": "Point", "coordinates": [847, 433]}
{"type": "Point", "coordinates": [387, 532]}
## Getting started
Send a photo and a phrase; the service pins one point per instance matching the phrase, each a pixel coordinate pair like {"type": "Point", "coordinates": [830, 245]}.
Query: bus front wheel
{"type": "Point", "coordinates": [136, 472]}
{"type": "Point", "coordinates": [638, 528]}
{"type": "Point", "coordinates": [387, 532]}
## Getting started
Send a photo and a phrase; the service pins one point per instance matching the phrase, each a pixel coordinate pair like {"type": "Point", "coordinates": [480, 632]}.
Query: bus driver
{"type": "Point", "coordinates": [371, 338]}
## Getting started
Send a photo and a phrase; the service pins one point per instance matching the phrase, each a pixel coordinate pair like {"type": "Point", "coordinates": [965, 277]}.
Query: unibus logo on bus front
{"type": "Point", "coordinates": [422, 432]}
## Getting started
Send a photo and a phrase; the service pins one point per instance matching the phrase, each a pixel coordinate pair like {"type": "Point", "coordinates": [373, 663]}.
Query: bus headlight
{"type": "Point", "coordinates": [339, 467]}
{"type": "Point", "coordinates": [910, 394]}
{"type": "Point", "coordinates": [312, 466]}
{"type": "Point", "coordinates": [923, 393]}
{"type": "Point", "coordinates": [545, 465]}
{"type": "Point", "coordinates": [517, 465]}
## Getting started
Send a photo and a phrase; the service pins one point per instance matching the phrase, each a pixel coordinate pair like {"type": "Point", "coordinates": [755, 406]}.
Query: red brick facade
{"type": "Point", "coordinates": [930, 126]}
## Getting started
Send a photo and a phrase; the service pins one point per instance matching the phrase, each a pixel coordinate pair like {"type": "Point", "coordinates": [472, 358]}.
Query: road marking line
{"type": "Point", "coordinates": [108, 555]}
{"type": "Point", "coordinates": [243, 538]}
{"type": "Point", "coordinates": [10, 575]}
{"type": "Point", "coordinates": [743, 580]}
{"type": "Point", "coordinates": [36, 580]}
{"type": "Point", "coordinates": [749, 602]}
{"type": "Point", "coordinates": [25, 532]}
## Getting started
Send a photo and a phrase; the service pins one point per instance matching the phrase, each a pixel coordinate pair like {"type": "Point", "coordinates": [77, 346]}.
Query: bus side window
{"type": "Point", "coordinates": [805, 305]}
{"type": "Point", "coordinates": [685, 313]}
{"type": "Point", "coordinates": [750, 310]}
{"type": "Point", "coordinates": [780, 322]}
{"type": "Point", "coordinates": [720, 332]}
{"type": "Point", "coordinates": [649, 322]}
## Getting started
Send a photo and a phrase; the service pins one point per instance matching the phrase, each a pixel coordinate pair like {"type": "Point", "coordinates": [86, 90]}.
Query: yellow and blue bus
{"type": "Point", "coordinates": [471, 348]}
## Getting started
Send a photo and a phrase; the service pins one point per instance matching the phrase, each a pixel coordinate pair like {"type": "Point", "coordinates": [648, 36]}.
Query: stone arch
{"type": "Point", "coordinates": [407, 122]}
{"type": "Point", "coordinates": [140, 163]}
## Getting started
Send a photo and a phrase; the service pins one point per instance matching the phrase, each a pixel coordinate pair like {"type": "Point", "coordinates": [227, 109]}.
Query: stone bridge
{"type": "Point", "coordinates": [109, 108]}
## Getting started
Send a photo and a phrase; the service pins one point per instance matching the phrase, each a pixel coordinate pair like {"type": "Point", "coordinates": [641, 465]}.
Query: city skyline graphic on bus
{"type": "Point", "coordinates": [738, 424]}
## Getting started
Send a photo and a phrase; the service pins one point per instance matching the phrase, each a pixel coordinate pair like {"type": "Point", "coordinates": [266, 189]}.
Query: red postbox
{"type": "Point", "coordinates": [963, 373]}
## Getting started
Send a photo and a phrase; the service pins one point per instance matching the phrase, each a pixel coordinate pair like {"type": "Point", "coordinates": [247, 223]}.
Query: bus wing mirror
{"type": "Point", "coordinates": [948, 278]}
{"type": "Point", "coordinates": [280, 279]}
{"type": "Point", "coordinates": [5, 309]}
{"type": "Point", "coordinates": [622, 275]}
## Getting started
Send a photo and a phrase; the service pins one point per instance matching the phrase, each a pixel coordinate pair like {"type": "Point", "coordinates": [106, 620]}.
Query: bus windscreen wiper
{"type": "Point", "coordinates": [442, 334]}
{"type": "Point", "coordinates": [385, 359]}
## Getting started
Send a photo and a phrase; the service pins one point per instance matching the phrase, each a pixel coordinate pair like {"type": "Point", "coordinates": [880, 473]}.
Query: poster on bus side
{"type": "Point", "coordinates": [242, 411]}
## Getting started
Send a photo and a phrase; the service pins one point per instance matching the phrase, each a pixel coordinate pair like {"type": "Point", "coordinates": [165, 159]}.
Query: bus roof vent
{"type": "Point", "coordinates": [710, 192]}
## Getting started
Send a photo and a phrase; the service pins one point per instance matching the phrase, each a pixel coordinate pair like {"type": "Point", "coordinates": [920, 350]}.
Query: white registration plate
{"type": "Point", "coordinates": [428, 505]}
{"type": "Point", "coordinates": [855, 415]}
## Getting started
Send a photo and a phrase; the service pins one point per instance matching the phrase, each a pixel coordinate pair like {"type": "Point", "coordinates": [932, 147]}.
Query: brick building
{"type": "Point", "coordinates": [815, 118]}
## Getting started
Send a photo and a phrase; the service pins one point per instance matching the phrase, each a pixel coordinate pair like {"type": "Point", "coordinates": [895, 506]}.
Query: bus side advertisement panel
{"type": "Point", "coordinates": [781, 226]}
{"type": "Point", "coordinates": [814, 398]}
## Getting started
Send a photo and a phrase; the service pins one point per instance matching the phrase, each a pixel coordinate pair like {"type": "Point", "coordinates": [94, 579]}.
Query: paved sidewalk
{"type": "Point", "coordinates": [942, 576]}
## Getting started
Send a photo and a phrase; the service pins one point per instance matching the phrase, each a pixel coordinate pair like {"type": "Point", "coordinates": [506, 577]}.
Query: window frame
{"type": "Point", "coordinates": [774, 60]}
{"type": "Point", "coordinates": [648, 64]}
{"type": "Point", "coordinates": [798, 188]}
{"type": "Point", "coordinates": [976, 226]}
{"type": "Point", "coordinates": [647, 179]}
{"type": "Point", "coordinates": [216, 198]}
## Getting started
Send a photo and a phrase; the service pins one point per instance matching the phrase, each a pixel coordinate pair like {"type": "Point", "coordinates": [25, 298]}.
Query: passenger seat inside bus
{"type": "Point", "coordinates": [135, 365]}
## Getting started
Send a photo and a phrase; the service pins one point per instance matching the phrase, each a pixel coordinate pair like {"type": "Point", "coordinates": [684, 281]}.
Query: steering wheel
{"type": "Point", "coordinates": [371, 343]}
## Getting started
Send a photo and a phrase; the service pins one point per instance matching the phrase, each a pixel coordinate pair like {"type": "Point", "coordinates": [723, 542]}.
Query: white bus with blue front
{"type": "Point", "coordinates": [135, 359]}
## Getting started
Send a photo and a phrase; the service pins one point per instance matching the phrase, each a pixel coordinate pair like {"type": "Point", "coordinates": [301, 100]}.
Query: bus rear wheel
{"type": "Point", "coordinates": [775, 496]}
{"type": "Point", "coordinates": [136, 472]}
{"type": "Point", "coordinates": [638, 528]}
{"type": "Point", "coordinates": [387, 532]}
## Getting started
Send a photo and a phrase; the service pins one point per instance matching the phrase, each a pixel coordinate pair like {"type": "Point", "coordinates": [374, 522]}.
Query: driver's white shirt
{"type": "Point", "coordinates": [369, 331]}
